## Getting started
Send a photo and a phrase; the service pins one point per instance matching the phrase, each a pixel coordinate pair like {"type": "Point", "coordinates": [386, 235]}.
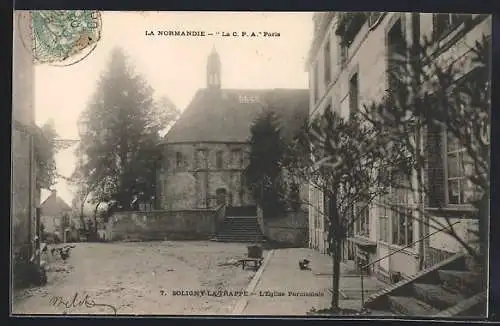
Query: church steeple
{"type": "Point", "coordinates": [213, 70]}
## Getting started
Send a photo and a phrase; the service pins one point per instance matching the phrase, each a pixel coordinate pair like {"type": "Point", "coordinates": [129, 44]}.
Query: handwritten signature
{"type": "Point", "coordinates": [78, 300]}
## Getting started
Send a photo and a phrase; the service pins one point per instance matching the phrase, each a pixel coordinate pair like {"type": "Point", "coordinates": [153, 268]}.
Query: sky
{"type": "Point", "coordinates": [175, 66]}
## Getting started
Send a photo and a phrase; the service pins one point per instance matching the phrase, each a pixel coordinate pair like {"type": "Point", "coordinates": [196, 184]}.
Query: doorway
{"type": "Point", "coordinates": [221, 196]}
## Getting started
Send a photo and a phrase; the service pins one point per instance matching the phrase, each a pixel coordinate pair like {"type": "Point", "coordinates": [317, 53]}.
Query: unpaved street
{"type": "Point", "coordinates": [138, 278]}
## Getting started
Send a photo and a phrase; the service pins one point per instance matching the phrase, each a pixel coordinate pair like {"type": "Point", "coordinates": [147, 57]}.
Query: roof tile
{"type": "Point", "coordinates": [226, 115]}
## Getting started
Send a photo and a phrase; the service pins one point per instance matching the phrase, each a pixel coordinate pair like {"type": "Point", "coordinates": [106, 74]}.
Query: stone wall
{"type": "Point", "coordinates": [161, 225]}
{"type": "Point", "coordinates": [463, 228]}
{"type": "Point", "coordinates": [290, 230]}
{"type": "Point", "coordinates": [193, 184]}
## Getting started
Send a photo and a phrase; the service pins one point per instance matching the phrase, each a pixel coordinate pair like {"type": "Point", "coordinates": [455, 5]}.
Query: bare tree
{"type": "Point", "coordinates": [342, 158]}
{"type": "Point", "coordinates": [435, 107]}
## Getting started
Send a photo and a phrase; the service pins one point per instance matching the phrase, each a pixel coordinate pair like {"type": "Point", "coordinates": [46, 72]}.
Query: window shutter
{"type": "Point", "coordinates": [434, 172]}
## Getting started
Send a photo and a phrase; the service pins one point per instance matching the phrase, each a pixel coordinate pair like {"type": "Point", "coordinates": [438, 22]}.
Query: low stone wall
{"type": "Point", "coordinates": [161, 225]}
{"type": "Point", "coordinates": [290, 230]}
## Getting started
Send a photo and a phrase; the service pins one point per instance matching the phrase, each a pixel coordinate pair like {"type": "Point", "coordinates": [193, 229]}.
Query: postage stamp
{"type": "Point", "coordinates": [62, 37]}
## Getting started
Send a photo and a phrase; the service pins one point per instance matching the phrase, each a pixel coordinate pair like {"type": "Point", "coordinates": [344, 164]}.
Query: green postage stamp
{"type": "Point", "coordinates": [64, 37]}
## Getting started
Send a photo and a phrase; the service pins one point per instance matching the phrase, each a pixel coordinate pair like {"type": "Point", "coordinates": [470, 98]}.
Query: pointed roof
{"type": "Point", "coordinates": [54, 205]}
{"type": "Point", "coordinates": [227, 115]}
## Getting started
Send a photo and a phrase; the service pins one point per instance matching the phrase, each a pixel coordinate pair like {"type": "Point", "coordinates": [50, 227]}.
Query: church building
{"type": "Point", "coordinates": [205, 151]}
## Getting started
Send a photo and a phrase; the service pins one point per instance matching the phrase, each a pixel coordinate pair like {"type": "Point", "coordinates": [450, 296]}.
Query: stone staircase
{"type": "Point", "coordinates": [451, 288]}
{"type": "Point", "coordinates": [240, 225]}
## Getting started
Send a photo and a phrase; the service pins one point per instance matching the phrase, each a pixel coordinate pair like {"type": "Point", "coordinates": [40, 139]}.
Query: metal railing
{"type": "Point", "coordinates": [365, 266]}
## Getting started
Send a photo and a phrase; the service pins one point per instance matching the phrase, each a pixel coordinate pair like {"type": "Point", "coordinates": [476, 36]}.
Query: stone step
{"type": "Point", "coordinates": [238, 240]}
{"type": "Point", "coordinates": [239, 230]}
{"type": "Point", "coordinates": [249, 228]}
{"type": "Point", "coordinates": [436, 296]}
{"type": "Point", "coordinates": [240, 217]}
{"type": "Point", "coordinates": [226, 235]}
{"type": "Point", "coordinates": [409, 306]}
{"type": "Point", "coordinates": [239, 236]}
{"type": "Point", "coordinates": [236, 225]}
{"type": "Point", "coordinates": [240, 224]}
{"type": "Point", "coordinates": [464, 282]}
{"type": "Point", "coordinates": [239, 233]}
{"type": "Point", "coordinates": [228, 217]}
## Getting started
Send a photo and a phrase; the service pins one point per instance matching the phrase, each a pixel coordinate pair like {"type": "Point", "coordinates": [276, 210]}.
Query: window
{"type": "Point", "coordinates": [384, 213]}
{"type": "Point", "coordinates": [456, 178]}
{"type": "Point", "coordinates": [349, 25]}
{"type": "Point", "coordinates": [65, 220]}
{"type": "Point", "coordinates": [362, 216]}
{"type": "Point", "coordinates": [178, 159]}
{"type": "Point", "coordinates": [326, 211]}
{"type": "Point", "coordinates": [402, 216]}
{"type": "Point", "coordinates": [397, 52]}
{"type": "Point", "coordinates": [445, 23]}
{"type": "Point", "coordinates": [218, 160]}
{"type": "Point", "coordinates": [201, 158]}
{"type": "Point", "coordinates": [236, 158]}
{"type": "Point", "coordinates": [384, 228]}
{"type": "Point", "coordinates": [459, 165]}
{"type": "Point", "coordinates": [402, 227]}
{"type": "Point", "coordinates": [353, 94]}
{"type": "Point", "coordinates": [327, 59]}
{"type": "Point", "coordinates": [319, 211]}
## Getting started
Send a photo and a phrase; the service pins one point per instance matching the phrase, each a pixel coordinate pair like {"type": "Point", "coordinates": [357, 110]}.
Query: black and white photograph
{"type": "Point", "coordinates": [250, 164]}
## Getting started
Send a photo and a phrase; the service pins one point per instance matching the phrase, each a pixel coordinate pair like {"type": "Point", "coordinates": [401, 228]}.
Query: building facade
{"type": "Point", "coordinates": [25, 197]}
{"type": "Point", "coordinates": [348, 64]}
{"type": "Point", "coordinates": [206, 151]}
{"type": "Point", "coordinates": [55, 216]}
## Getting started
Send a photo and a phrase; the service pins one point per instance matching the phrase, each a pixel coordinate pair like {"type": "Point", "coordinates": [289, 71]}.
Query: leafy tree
{"type": "Point", "coordinates": [263, 175]}
{"type": "Point", "coordinates": [166, 111]}
{"type": "Point", "coordinates": [45, 155]}
{"type": "Point", "coordinates": [119, 134]}
{"type": "Point", "coordinates": [342, 159]}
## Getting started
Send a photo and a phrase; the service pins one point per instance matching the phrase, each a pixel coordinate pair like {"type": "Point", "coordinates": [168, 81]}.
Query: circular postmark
{"type": "Point", "coordinates": [60, 37]}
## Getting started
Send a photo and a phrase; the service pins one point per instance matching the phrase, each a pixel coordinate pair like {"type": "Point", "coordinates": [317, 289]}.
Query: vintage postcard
{"type": "Point", "coordinates": [250, 163]}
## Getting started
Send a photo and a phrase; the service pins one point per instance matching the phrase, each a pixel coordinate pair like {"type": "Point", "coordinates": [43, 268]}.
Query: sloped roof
{"type": "Point", "coordinates": [221, 116]}
{"type": "Point", "coordinates": [54, 206]}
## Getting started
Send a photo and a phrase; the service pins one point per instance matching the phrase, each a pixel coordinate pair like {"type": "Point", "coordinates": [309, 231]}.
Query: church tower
{"type": "Point", "coordinates": [213, 70]}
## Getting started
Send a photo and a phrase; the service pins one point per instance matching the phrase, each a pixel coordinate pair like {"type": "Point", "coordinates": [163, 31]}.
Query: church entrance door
{"type": "Point", "coordinates": [221, 196]}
